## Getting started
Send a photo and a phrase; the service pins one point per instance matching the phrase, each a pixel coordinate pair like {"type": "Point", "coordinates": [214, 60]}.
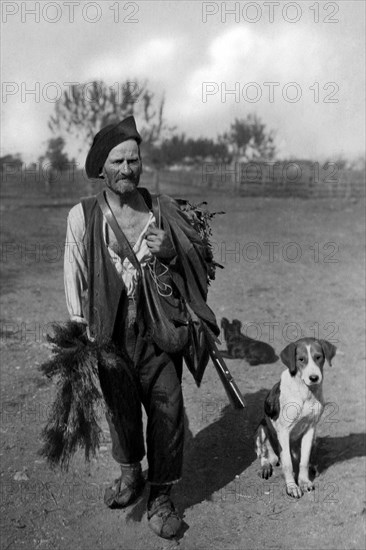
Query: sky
{"type": "Point", "coordinates": [299, 66]}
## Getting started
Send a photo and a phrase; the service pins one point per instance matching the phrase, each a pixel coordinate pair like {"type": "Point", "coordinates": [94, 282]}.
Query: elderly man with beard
{"type": "Point", "coordinates": [104, 292]}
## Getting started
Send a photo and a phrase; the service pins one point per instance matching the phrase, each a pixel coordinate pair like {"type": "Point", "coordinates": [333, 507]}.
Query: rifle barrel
{"type": "Point", "coordinates": [235, 397]}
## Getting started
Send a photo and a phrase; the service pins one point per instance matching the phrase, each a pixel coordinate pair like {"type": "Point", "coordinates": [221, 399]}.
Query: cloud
{"type": "Point", "coordinates": [150, 59]}
{"type": "Point", "coordinates": [175, 52]}
{"type": "Point", "coordinates": [294, 59]}
{"type": "Point", "coordinates": [244, 56]}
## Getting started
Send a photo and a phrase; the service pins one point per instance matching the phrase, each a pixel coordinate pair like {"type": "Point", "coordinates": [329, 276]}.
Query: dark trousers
{"type": "Point", "coordinates": [159, 379]}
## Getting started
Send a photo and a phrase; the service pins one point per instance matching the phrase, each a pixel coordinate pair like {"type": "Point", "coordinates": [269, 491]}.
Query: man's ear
{"type": "Point", "coordinates": [329, 350]}
{"type": "Point", "coordinates": [288, 357]}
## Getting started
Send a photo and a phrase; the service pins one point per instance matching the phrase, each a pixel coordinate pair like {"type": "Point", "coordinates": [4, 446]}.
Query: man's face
{"type": "Point", "coordinates": [123, 167]}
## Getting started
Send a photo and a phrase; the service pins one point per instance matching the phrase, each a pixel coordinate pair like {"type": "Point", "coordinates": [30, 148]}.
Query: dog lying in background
{"type": "Point", "coordinates": [240, 346]}
{"type": "Point", "coordinates": [292, 410]}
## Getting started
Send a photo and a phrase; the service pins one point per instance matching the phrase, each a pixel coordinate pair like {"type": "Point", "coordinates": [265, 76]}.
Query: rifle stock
{"type": "Point", "coordinates": [235, 397]}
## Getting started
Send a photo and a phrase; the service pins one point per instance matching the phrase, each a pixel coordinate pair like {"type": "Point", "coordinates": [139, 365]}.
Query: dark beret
{"type": "Point", "coordinates": [105, 140]}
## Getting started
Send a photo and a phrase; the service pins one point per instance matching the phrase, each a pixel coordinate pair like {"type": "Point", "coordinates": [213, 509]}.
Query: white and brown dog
{"type": "Point", "coordinates": [292, 409]}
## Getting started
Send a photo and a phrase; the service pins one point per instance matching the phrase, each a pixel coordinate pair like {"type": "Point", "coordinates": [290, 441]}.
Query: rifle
{"type": "Point", "coordinates": [235, 397]}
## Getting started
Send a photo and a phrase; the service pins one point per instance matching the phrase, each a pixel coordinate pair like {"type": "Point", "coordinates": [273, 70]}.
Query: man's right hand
{"type": "Point", "coordinates": [159, 243]}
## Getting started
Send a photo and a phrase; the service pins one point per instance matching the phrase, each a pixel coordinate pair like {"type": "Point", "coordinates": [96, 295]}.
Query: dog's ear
{"type": "Point", "coordinates": [237, 323]}
{"type": "Point", "coordinates": [288, 357]}
{"type": "Point", "coordinates": [224, 322]}
{"type": "Point", "coordinates": [329, 350]}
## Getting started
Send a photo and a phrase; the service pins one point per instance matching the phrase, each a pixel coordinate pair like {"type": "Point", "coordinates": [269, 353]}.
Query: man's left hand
{"type": "Point", "coordinates": [159, 243]}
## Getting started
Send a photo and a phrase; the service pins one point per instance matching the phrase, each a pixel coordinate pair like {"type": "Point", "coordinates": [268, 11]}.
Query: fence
{"type": "Point", "coordinates": [275, 179]}
{"type": "Point", "coordinates": [280, 179]}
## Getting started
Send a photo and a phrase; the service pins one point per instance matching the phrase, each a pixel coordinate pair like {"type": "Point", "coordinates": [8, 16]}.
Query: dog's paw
{"type": "Point", "coordinates": [266, 471]}
{"type": "Point", "coordinates": [293, 490]}
{"type": "Point", "coordinates": [306, 485]}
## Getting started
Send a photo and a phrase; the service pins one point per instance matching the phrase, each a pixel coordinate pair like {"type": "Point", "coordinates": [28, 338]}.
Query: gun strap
{"type": "Point", "coordinates": [126, 249]}
{"type": "Point", "coordinates": [125, 246]}
{"type": "Point", "coordinates": [155, 206]}
{"type": "Point", "coordinates": [153, 203]}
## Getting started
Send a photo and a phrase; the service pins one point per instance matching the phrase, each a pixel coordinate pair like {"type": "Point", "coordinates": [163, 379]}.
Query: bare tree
{"type": "Point", "coordinates": [86, 108]}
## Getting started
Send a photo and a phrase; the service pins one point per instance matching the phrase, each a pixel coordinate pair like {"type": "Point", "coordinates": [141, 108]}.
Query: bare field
{"type": "Point", "coordinates": [291, 268]}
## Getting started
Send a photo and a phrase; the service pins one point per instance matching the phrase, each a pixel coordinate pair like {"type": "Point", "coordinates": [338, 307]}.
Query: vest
{"type": "Point", "coordinates": [107, 297]}
{"type": "Point", "coordinates": [106, 289]}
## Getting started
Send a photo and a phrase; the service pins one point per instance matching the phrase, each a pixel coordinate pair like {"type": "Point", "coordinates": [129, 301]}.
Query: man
{"type": "Point", "coordinates": [104, 291]}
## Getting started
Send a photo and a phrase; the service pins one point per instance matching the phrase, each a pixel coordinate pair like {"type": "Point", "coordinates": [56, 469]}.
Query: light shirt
{"type": "Point", "coordinates": [75, 264]}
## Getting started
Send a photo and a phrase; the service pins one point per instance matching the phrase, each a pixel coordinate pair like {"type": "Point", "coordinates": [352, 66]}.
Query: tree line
{"type": "Point", "coordinates": [82, 111]}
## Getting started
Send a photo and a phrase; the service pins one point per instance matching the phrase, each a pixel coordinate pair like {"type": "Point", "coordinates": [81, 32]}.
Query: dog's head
{"type": "Point", "coordinates": [230, 329]}
{"type": "Point", "coordinates": [236, 327]}
{"type": "Point", "coordinates": [224, 323]}
{"type": "Point", "coordinates": [306, 357]}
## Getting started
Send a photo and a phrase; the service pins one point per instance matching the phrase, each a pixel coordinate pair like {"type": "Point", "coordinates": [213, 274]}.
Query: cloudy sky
{"type": "Point", "coordinates": [299, 65]}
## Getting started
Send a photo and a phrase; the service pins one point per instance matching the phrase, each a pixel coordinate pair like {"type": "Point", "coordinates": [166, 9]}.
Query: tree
{"type": "Point", "coordinates": [15, 161]}
{"type": "Point", "coordinates": [249, 139]}
{"type": "Point", "coordinates": [206, 149]}
{"type": "Point", "coordinates": [55, 154]}
{"type": "Point", "coordinates": [84, 109]}
{"type": "Point", "coordinates": [179, 150]}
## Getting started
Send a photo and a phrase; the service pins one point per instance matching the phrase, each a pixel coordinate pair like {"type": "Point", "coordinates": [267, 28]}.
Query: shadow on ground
{"type": "Point", "coordinates": [332, 450]}
{"type": "Point", "coordinates": [219, 452]}
{"type": "Point", "coordinates": [225, 449]}
{"type": "Point", "coordinates": [215, 455]}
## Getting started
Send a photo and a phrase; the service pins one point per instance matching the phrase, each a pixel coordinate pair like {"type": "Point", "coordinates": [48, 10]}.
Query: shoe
{"type": "Point", "coordinates": [163, 517]}
{"type": "Point", "coordinates": [125, 490]}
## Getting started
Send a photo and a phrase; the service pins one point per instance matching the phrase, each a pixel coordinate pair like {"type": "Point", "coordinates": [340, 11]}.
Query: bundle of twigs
{"type": "Point", "coordinates": [200, 218]}
{"type": "Point", "coordinates": [91, 376]}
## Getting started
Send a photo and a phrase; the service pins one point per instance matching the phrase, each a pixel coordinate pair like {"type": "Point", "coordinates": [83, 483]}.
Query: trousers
{"type": "Point", "coordinates": [159, 378]}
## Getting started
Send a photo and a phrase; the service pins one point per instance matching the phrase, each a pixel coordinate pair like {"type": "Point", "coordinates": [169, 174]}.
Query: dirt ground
{"type": "Point", "coordinates": [309, 281]}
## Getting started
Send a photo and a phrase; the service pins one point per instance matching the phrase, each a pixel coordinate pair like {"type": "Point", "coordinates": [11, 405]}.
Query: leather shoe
{"type": "Point", "coordinates": [163, 517]}
{"type": "Point", "coordinates": [125, 490]}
